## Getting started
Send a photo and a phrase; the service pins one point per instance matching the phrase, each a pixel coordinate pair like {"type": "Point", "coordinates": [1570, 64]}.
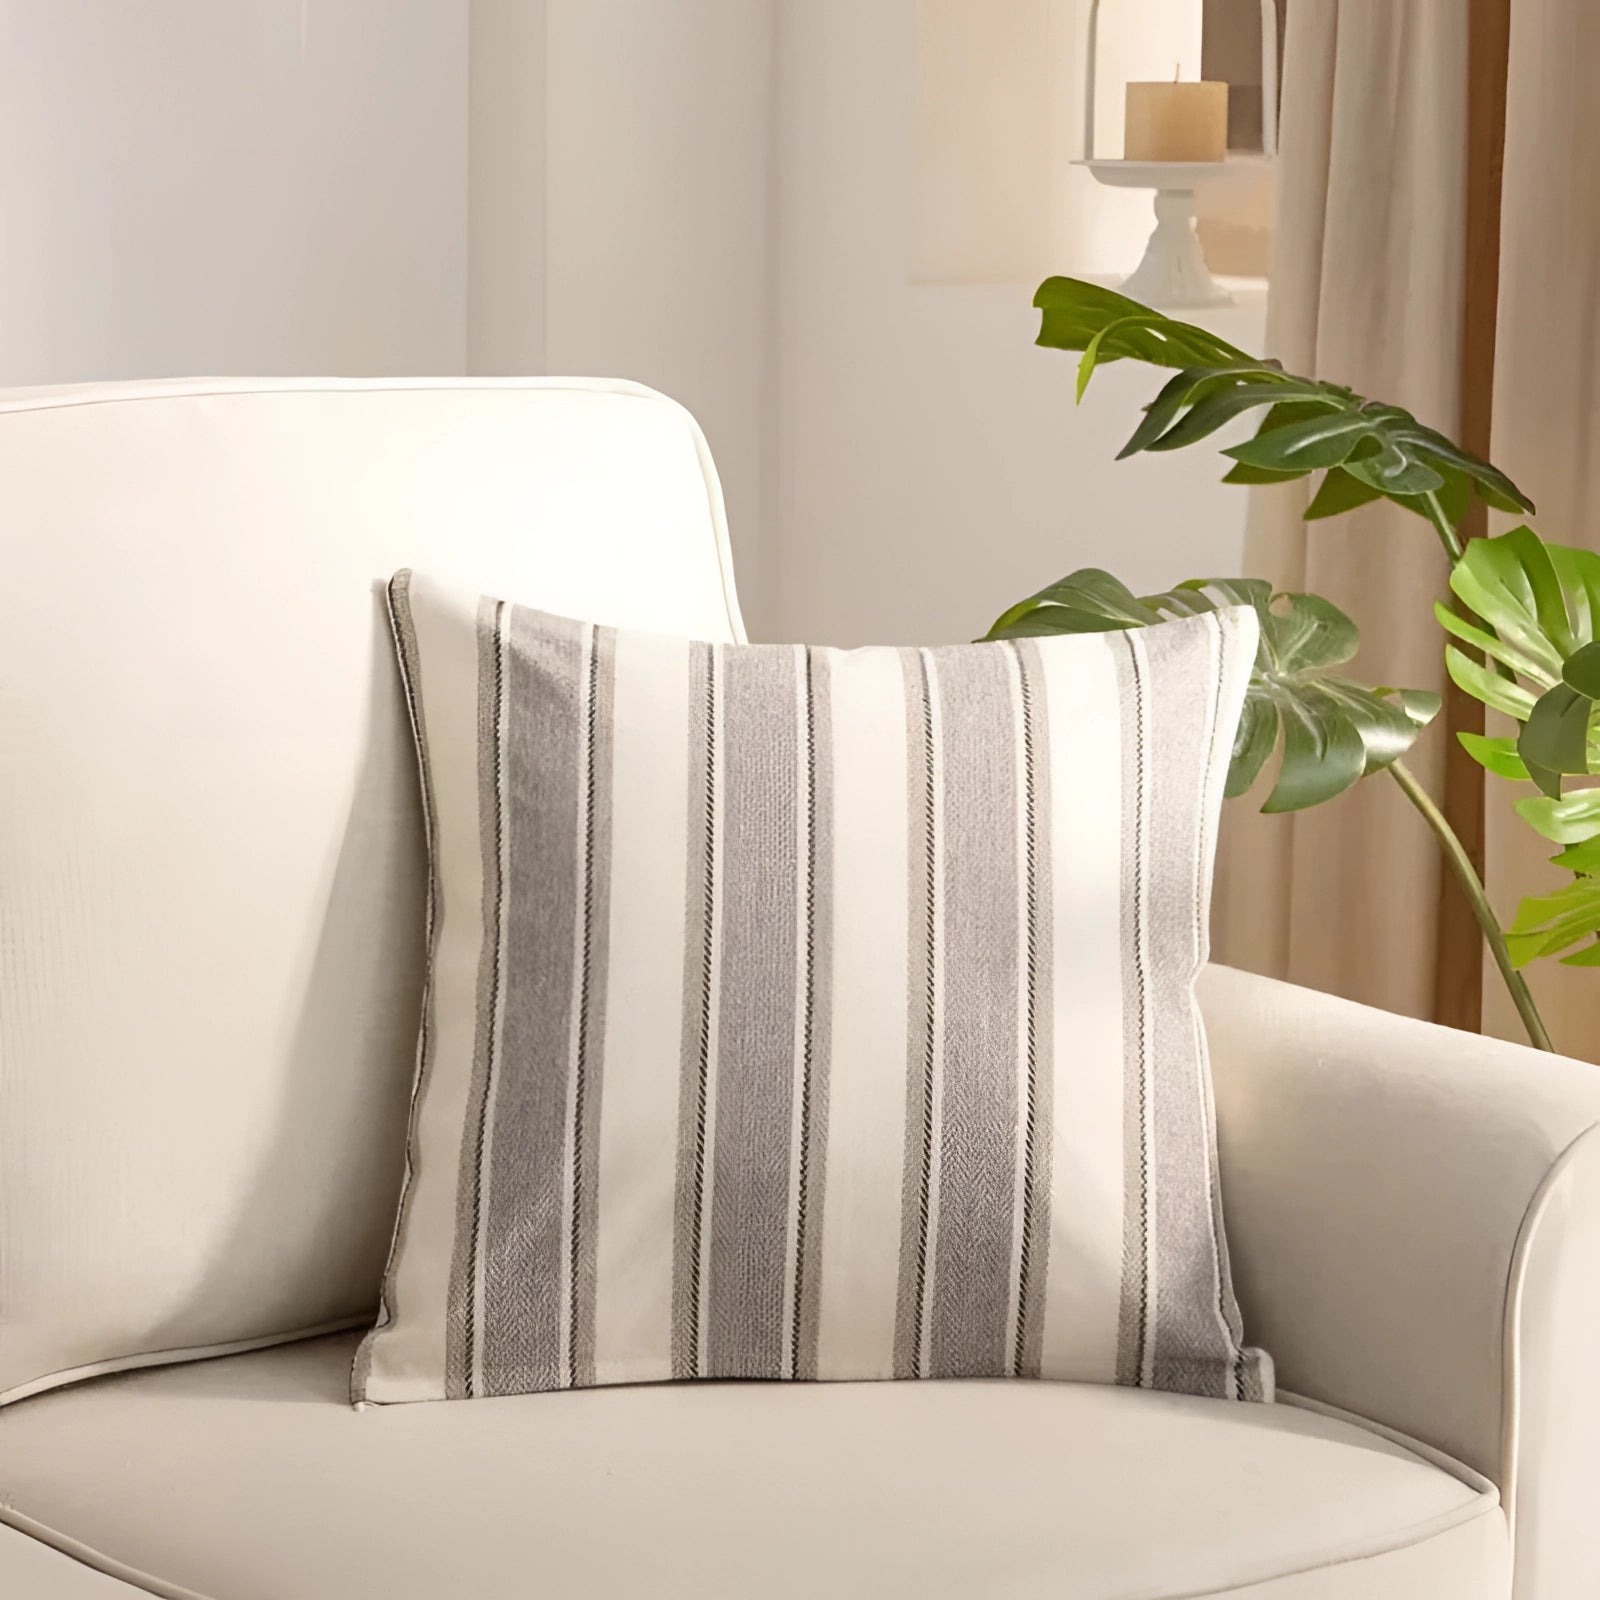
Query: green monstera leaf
{"type": "Point", "coordinates": [1365, 450]}
{"type": "Point", "coordinates": [1546, 925]}
{"type": "Point", "coordinates": [1332, 731]}
{"type": "Point", "coordinates": [1534, 614]}
{"type": "Point", "coordinates": [1573, 819]}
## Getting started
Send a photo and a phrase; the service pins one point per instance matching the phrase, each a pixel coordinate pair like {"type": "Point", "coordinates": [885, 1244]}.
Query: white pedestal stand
{"type": "Point", "coordinates": [1173, 273]}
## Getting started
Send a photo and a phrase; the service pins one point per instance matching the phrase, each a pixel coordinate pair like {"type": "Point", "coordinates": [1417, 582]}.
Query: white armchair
{"type": "Point", "coordinates": [1414, 1216]}
{"type": "Point", "coordinates": [210, 900]}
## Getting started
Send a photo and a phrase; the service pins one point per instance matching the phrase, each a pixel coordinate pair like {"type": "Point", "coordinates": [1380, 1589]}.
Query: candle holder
{"type": "Point", "coordinates": [1173, 272]}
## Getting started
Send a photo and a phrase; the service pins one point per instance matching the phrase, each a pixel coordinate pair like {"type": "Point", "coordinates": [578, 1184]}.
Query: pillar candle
{"type": "Point", "coordinates": [1176, 122]}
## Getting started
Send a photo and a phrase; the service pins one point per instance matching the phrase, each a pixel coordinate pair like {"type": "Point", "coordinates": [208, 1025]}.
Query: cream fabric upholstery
{"type": "Point", "coordinates": [33, 1570]}
{"type": "Point", "coordinates": [1414, 1220]}
{"type": "Point", "coordinates": [250, 1478]}
{"type": "Point", "coordinates": [211, 857]}
{"type": "Point", "coordinates": [1414, 1214]}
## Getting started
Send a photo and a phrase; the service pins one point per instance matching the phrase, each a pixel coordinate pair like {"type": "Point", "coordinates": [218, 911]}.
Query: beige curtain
{"type": "Point", "coordinates": [1547, 393]}
{"type": "Point", "coordinates": [1367, 285]}
{"type": "Point", "coordinates": [1368, 288]}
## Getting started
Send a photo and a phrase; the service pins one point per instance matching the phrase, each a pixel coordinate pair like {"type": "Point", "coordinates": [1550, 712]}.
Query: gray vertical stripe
{"type": "Point", "coordinates": [922, 856]}
{"type": "Point", "coordinates": [522, 1269]}
{"type": "Point", "coordinates": [1133, 1323]}
{"type": "Point", "coordinates": [1038, 1042]}
{"type": "Point", "coordinates": [978, 1106]}
{"type": "Point", "coordinates": [1192, 1348]}
{"type": "Point", "coordinates": [462, 1330]}
{"type": "Point", "coordinates": [700, 913]}
{"type": "Point", "coordinates": [589, 1064]}
{"type": "Point", "coordinates": [756, 1024]}
{"type": "Point", "coordinates": [817, 1025]}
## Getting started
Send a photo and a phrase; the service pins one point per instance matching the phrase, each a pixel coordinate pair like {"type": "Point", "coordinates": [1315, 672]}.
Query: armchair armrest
{"type": "Point", "coordinates": [1413, 1215]}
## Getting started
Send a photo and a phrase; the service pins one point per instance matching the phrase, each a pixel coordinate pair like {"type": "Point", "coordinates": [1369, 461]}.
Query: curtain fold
{"type": "Point", "coordinates": [1368, 287]}
{"type": "Point", "coordinates": [1367, 290]}
{"type": "Point", "coordinates": [1547, 399]}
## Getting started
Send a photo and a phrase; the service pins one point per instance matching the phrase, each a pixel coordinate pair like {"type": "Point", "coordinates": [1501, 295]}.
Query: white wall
{"type": "Point", "coordinates": [659, 134]}
{"type": "Point", "coordinates": [723, 198]}
{"type": "Point", "coordinates": [216, 186]}
{"type": "Point", "coordinates": [999, 104]}
{"type": "Point", "coordinates": [730, 199]}
{"type": "Point", "coordinates": [931, 465]}
{"type": "Point", "coordinates": [718, 197]}
{"type": "Point", "coordinates": [506, 187]}
{"type": "Point", "coordinates": [621, 164]}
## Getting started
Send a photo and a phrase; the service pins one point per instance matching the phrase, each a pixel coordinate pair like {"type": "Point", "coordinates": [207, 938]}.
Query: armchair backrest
{"type": "Point", "coordinates": [211, 856]}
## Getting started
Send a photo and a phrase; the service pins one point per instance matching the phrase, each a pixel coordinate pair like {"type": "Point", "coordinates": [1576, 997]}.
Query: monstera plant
{"type": "Point", "coordinates": [1523, 633]}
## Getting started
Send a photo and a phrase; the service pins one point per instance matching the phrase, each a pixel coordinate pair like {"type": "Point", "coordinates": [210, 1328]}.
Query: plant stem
{"type": "Point", "coordinates": [1466, 874]}
{"type": "Point", "coordinates": [1448, 536]}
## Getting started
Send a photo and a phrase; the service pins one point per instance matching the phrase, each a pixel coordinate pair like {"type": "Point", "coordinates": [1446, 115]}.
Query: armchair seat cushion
{"type": "Point", "coordinates": [250, 1477]}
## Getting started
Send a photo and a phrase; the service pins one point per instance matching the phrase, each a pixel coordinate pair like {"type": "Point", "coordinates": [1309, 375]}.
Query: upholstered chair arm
{"type": "Point", "coordinates": [1414, 1220]}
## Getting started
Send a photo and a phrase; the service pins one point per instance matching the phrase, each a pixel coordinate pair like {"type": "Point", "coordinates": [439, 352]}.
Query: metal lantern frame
{"type": "Point", "coordinates": [1173, 272]}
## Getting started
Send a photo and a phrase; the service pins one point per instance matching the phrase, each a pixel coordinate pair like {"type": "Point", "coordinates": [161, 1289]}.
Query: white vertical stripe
{"type": "Point", "coordinates": [791, 1244]}
{"type": "Point", "coordinates": [569, 1138]}
{"type": "Point", "coordinates": [1219, 756]}
{"type": "Point", "coordinates": [867, 1045]}
{"type": "Point", "coordinates": [1084, 1274]}
{"type": "Point", "coordinates": [936, 1020]}
{"type": "Point", "coordinates": [713, 1023]}
{"type": "Point", "coordinates": [1024, 937]}
{"type": "Point", "coordinates": [637, 1167]}
{"type": "Point", "coordinates": [1239, 636]}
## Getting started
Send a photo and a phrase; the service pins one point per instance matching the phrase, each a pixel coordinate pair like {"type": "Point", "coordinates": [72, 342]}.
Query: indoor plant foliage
{"type": "Point", "coordinates": [1522, 633]}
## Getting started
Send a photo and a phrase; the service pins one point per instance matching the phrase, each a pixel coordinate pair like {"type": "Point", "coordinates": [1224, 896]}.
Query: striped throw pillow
{"type": "Point", "coordinates": [811, 1013]}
